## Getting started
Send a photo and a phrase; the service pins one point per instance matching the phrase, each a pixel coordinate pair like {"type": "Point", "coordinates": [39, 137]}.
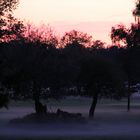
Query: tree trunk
{"type": "Point", "coordinates": [4, 101]}
{"type": "Point", "coordinates": [40, 108]}
{"type": "Point", "coordinates": [128, 98]}
{"type": "Point", "coordinates": [36, 100]}
{"type": "Point", "coordinates": [93, 105]}
{"type": "Point", "coordinates": [128, 102]}
{"type": "Point", "coordinates": [37, 106]}
{"type": "Point", "coordinates": [36, 97]}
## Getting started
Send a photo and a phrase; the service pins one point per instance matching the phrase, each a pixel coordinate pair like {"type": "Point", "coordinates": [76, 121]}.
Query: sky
{"type": "Point", "coordinates": [95, 17]}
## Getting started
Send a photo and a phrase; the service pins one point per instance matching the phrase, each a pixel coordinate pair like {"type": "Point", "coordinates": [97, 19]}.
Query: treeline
{"type": "Point", "coordinates": [35, 63]}
{"type": "Point", "coordinates": [27, 66]}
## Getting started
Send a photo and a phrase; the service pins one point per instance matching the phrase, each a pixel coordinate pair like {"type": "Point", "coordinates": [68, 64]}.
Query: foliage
{"type": "Point", "coordinates": [76, 37]}
{"type": "Point", "coordinates": [136, 12]}
{"type": "Point", "coordinates": [36, 64]}
{"type": "Point", "coordinates": [10, 27]}
{"type": "Point", "coordinates": [7, 6]}
{"type": "Point", "coordinates": [128, 36]}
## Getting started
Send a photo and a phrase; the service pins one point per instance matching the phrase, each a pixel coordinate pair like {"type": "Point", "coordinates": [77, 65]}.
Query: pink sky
{"type": "Point", "coordinates": [95, 17]}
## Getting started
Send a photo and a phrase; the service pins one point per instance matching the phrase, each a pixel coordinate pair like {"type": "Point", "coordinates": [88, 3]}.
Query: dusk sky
{"type": "Point", "coordinates": [95, 17]}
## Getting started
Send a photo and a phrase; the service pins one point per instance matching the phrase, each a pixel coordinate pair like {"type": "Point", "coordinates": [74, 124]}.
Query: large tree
{"type": "Point", "coordinates": [76, 37]}
{"type": "Point", "coordinates": [10, 27]}
{"type": "Point", "coordinates": [7, 6]}
{"type": "Point", "coordinates": [6, 19]}
{"type": "Point", "coordinates": [100, 77]}
{"type": "Point", "coordinates": [129, 39]}
{"type": "Point", "coordinates": [136, 12]}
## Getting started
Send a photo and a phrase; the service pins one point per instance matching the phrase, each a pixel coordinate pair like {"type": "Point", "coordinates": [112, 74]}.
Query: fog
{"type": "Point", "coordinates": [71, 130]}
{"type": "Point", "coordinates": [108, 122]}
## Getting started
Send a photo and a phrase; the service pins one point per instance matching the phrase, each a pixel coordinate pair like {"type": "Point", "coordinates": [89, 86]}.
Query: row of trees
{"type": "Point", "coordinates": [33, 61]}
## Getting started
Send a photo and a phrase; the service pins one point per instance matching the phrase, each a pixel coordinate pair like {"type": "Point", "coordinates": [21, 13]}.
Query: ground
{"type": "Point", "coordinates": [112, 121]}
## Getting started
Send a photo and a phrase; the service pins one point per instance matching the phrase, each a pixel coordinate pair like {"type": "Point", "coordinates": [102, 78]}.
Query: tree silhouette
{"type": "Point", "coordinates": [100, 77]}
{"type": "Point", "coordinates": [10, 27]}
{"type": "Point", "coordinates": [7, 6]}
{"type": "Point", "coordinates": [127, 36]}
{"type": "Point", "coordinates": [77, 37]}
{"type": "Point", "coordinates": [136, 12]}
{"type": "Point", "coordinates": [36, 64]}
{"type": "Point", "coordinates": [43, 34]}
{"type": "Point", "coordinates": [130, 38]}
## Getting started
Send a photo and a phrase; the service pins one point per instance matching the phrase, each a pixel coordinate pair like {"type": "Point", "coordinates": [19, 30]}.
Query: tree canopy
{"type": "Point", "coordinates": [7, 6]}
{"type": "Point", "coordinates": [136, 12]}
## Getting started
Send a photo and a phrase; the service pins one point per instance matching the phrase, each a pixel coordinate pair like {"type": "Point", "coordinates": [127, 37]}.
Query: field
{"type": "Point", "coordinates": [111, 122]}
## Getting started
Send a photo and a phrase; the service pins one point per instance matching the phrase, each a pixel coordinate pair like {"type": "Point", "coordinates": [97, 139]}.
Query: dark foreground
{"type": "Point", "coordinates": [112, 122]}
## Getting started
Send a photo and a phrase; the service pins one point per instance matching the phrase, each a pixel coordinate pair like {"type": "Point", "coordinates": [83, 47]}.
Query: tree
{"type": "Point", "coordinates": [100, 77]}
{"type": "Point", "coordinates": [129, 59]}
{"type": "Point", "coordinates": [43, 34]}
{"type": "Point", "coordinates": [136, 12]}
{"type": "Point", "coordinates": [98, 44]}
{"type": "Point", "coordinates": [129, 37]}
{"type": "Point", "coordinates": [3, 101]}
{"type": "Point", "coordinates": [6, 7]}
{"type": "Point", "coordinates": [77, 37]}
{"type": "Point", "coordinates": [29, 66]}
{"type": "Point", "coordinates": [10, 27]}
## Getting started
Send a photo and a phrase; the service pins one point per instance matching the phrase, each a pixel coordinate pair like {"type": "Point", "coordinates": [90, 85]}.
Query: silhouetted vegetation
{"type": "Point", "coordinates": [36, 65]}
